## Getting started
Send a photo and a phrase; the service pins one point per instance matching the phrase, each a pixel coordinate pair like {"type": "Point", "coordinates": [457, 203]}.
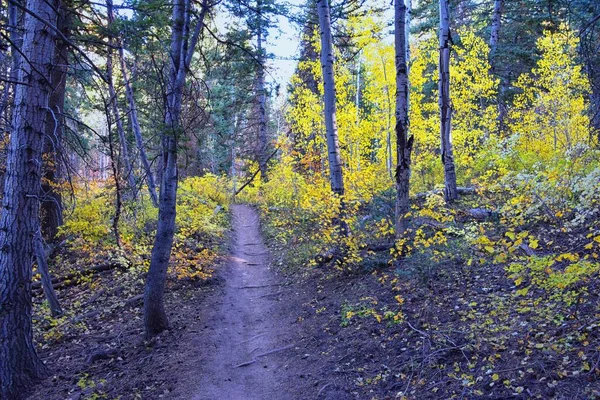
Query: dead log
{"type": "Point", "coordinates": [85, 316]}
{"type": "Point", "coordinates": [133, 300]}
{"type": "Point", "coordinates": [102, 354]}
{"type": "Point", "coordinates": [528, 250]}
{"type": "Point", "coordinates": [46, 279]}
{"type": "Point", "coordinates": [463, 191]}
{"type": "Point", "coordinates": [70, 278]}
{"type": "Point", "coordinates": [327, 256]}
{"type": "Point", "coordinates": [379, 247]}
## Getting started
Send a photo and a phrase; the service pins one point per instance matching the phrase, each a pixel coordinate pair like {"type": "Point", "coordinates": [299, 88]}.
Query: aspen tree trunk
{"type": "Point", "coordinates": [155, 317]}
{"type": "Point", "coordinates": [333, 148]}
{"type": "Point", "coordinates": [20, 220]}
{"type": "Point", "coordinates": [114, 105]}
{"type": "Point", "coordinates": [450, 192]}
{"type": "Point", "coordinates": [262, 100]}
{"type": "Point", "coordinates": [51, 207]}
{"type": "Point", "coordinates": [137, 131]}
{"type": "Point", "coordinates": [403, 141]}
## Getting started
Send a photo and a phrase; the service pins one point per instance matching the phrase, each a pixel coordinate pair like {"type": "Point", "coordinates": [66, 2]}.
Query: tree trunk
{"type": "Point", "coordinates": [333, 148]}
{"type": "Point", "coordinates": [42, 267]}
{"type": "Point", "coordinates": [114, 105]}
{"type": "Point", "coordinates": [495, 28]}
{"type": "Point", "coordinates": [155, 317]}
{"type": "Point", "coordinates": [494, 38]}
{"type": "Point", "coordinates": [450, 192]}
{"type": "Point", "coordinates": [15, 38]}
{"type": "Point", "coordinates": [262, 100]}
{"type": "Point", "coordinates": [137, 131]}
{"type": "Point", "coordinates": [51, 207]}
{"type": "Point", "coordinates": [116, 177]}
{"type": "Point", "coordinates": [19, 363]}
{"type": "Point", "coordinates": [403, 142]}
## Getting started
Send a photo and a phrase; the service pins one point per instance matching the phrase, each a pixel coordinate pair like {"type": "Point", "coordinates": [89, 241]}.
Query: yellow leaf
{"type": "Point", "coordinates": [522, 292]}
{"type": "Point", "coordinates": [495, 377]}
{"type": "Point", "coordinates": [518, 281]}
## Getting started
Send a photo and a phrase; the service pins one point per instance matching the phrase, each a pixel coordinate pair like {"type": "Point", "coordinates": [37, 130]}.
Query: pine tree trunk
{"type": "Point", "coordinates": [51, 207]}
{"type": "Point", "coordinates": [19, 363]}
{"type": "Point", "coordinates": [403, 142]}
{"type": "Point", "coordinates": [262, 100]}
{"type": "Point", "coordinates": [333, 148]}
{"type": "Point", "coordinates": [450, 192]}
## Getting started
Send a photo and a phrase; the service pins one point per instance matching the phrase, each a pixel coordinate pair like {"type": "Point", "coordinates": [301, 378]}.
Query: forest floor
{"type": "Point", "coordinates": [261, 331]}
{"type": "Point", "coordinates": [232, 337]}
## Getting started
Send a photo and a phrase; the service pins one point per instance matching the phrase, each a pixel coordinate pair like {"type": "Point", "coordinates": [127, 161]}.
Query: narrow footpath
{"type": "Point", "coordinates": [242, 349]}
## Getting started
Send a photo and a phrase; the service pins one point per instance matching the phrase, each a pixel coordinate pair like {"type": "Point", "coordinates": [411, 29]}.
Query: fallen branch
{"type": "Point", "coordinates": [67, 280]}
{"type": "Point", "coordinates": [378, 247]}
{"type": "Point", "coordinates": [255, 359]}
{"type": "Point", "coordinates": [424, 334]}
{"type": "Point", "coordinates": [253, 337]}
{"type": "Point", "coordinates": [262, 286]}
{"type": "Point", "coordinates": [131, 301]}
{"type": "Point", "coordinates": [528, 250]}
{"type": "Point", "coordinates": [323, 389]}
{"type": "Point", "coordinates": [254, 175]}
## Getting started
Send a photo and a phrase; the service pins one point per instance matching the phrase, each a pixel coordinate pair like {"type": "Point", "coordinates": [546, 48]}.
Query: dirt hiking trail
{"type": "Point", "coordinates": [244, 342]}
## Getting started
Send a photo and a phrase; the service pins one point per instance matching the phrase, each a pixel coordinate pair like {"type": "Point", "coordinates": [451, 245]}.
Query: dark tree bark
{"type": "Point", "coordinates": [403, 141]}
{"type": "Point", "coordinates": [495, 28]}
{"type": "Point", "coordinates": [52, 208]}
{"type": "Point", "coordinates": [450, 192]}
{"type": "Point", "coordinates": [116, 177]}
{"type": "Point", "coordinates": [137, 131]}
{"type": "Point", "coordinates": [494, 39]}
{"type": "Point", "coordinates": [114, 105]}
{"type": "Point", "coordinates": [262, 99]}
{"type": "Point", "coordinates": [155, 317]}
{"type": "Point", "coordinates": [42, 266]}
{"type": "Point", "coordinates": [19, 363]}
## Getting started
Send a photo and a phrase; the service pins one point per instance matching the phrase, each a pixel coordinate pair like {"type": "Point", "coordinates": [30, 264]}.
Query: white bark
{"type": "Point", "coordinates": [450, 192]}
{"type": "Point", "coordinates": [333, 147]}
{"type": "Point", "coordinates": [403, 141]}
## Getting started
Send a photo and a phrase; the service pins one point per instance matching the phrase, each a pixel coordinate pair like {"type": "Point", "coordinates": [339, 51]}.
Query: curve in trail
{"type": "Point", "coordinates": [244, 343]}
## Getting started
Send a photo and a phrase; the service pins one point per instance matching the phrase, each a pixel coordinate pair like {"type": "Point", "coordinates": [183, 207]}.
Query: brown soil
{"type": "Point", "coordinates": [254, 333]}
{"type": "Point", "coordinates": [247, 339]}
{"type": "Point", "coordinates": [231, 338]}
